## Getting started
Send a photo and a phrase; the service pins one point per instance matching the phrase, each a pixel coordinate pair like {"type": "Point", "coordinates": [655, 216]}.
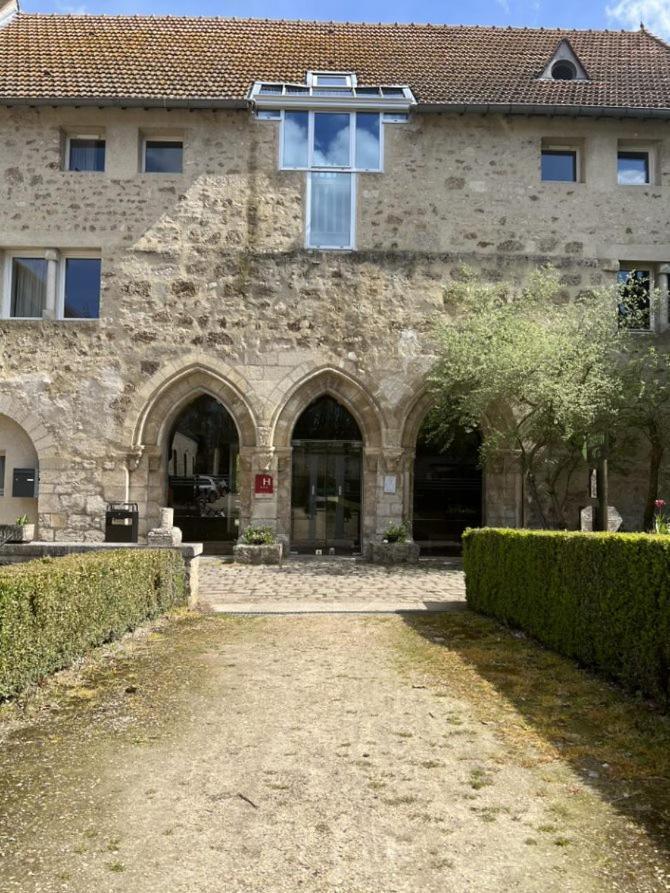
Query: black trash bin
{"type": "Point", "coordinates": [121, 522]}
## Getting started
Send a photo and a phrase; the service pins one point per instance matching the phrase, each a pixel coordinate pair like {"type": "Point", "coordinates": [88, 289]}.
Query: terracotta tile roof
{"type": "Point", "coordinates": [117, 58]}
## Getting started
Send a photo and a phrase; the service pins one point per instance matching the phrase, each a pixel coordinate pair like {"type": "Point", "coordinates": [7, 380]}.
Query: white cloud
{"type": "Point", "coordinates": [654, 13]}
{"type": "Point", "coordinates": [72, 8]}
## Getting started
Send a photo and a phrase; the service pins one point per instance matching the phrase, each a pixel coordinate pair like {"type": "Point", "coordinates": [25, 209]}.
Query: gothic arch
{"type": "Point", "coordinates": [352, 395]}
{"type": "Point", "coordinates": [164, 396]}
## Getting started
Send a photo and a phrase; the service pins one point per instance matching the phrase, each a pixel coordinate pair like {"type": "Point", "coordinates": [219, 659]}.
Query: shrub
{"type": "Point", "coordinates": [258, 536]}
{"type": "Point", "coordinates": [397, 533]}
{"type": "Point", "coordinates": [54, 609]}
{"type": "Point", "coordinates": [600, 598]}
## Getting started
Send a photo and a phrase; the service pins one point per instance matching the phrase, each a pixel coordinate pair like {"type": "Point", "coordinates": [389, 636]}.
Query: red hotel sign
{"type": "Point", "coordinates": [264, 484]}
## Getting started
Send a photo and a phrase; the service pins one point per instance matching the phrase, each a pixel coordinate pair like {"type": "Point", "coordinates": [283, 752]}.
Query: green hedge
{"type": "Point", "coordinates": [600, 598]}
{"type": "Point", "coordinates": [54, 609]}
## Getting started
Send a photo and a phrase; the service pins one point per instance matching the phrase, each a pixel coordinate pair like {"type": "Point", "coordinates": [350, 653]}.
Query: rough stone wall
{"type": "Point", "coordinates": [207, 271]}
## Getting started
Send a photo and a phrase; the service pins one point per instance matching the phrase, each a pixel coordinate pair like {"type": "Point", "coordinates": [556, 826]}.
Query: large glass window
{"type": "Point", "coordinates": [633, 168]}
{"type": "Point", "coordinates": [330, 223]}
{"type": "Point", "coordinates": [332, 146]}
{"type": "Point", "coordinates": [324, 140]}
{"type": "Point", "coordinates": [163, 156]}
{"type": "Point", "coordinates": [82, 288]}
{"type": "Point", "coordinates": [332, 143]}
{"type": "Point", "coordinates": [29, 286]}
{"type": "Point", "coordinates": [86, 154]}
{"type": "Point", "coordinates": [635, 304]}
{"type": "Point", "coordinates": [368, 141]}
{"type": "Point", "coordinates": [559, 164]}
{"type": "Point", "coordinates": [295, 147]}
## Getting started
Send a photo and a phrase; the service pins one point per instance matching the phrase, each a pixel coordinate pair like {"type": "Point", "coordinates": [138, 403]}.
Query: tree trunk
{"type": "Point", "coordinates": [655, 459]}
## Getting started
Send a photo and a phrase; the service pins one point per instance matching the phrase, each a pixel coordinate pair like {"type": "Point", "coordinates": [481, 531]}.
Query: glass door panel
{"type": "Point", "coordinates": [326, 495]}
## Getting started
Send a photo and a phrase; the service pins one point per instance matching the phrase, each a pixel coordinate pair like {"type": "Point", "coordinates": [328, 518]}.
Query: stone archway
{"type": "Point", "coordinates": [26, 444]}
{"type": "Point", "coordinates": [150, 425]}
{"type": "Point", "coordinates": [359, 403]}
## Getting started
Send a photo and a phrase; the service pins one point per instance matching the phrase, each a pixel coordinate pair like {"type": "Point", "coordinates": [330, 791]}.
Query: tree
{"type": "Point", "coordinates": [646, 409]}
{"type": "Point", "coordinates": [537, 370]}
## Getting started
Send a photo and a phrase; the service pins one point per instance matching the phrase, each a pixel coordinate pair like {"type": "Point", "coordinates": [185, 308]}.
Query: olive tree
{"type": "Point", "coordinates": [646, 411]}
{"type": "Point", "coordinates": [535, 369]}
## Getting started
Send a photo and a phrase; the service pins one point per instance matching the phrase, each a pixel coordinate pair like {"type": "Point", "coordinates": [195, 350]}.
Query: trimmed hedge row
{"type": "Point", "coordinates": [54, 609]}
{"type": "Point", "coordinates": [600, 598]}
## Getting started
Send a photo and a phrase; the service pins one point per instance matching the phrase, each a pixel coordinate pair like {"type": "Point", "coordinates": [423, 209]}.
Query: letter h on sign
{"type": "Point", "coordinates": [263, 485]}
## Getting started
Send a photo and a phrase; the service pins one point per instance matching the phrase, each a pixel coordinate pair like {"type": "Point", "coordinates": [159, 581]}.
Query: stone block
{"type": "Point", "coordinates": [269, 553]}
{"type": "Point", "coordinates": [393, 553]}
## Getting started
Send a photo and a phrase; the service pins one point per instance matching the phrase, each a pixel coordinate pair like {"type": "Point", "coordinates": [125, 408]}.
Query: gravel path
{"type": "Point", "coordinates": [312, 753]}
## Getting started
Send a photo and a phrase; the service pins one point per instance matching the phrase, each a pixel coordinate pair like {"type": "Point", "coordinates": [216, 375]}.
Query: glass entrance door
{"type": "Point", "coordinates": [326, 498]}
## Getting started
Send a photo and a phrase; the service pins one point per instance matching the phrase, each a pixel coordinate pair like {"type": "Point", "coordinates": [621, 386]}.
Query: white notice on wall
{"type": "Point", "coordinates": [390, 481]}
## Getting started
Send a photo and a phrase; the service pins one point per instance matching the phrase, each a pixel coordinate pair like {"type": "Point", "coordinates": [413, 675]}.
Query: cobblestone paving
{"type": "Point", "coordinates": [307, 585]}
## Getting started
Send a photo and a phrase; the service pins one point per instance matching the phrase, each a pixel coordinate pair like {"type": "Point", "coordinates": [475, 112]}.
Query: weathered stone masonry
{"type": "Point", "coordinates": [207, 288]}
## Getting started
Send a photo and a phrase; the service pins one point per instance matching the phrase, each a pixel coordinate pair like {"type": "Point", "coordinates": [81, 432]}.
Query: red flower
{"type": "Point", "coordinates": [660, 504]}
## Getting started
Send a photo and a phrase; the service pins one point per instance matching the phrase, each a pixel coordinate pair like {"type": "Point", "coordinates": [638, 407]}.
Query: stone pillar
{"type": "Point", "coordinates": [503, 492]}
{"type": "Point", "coordinates": [663, 287]}
{"type": "Point", "coordinates": [264, 466]}
{"type": "Point", "coordinates": [391, 497]}
{"type": "Point", "coordinates": [51, 257]}
{"type": "Point", "coordinates": [166, 534]}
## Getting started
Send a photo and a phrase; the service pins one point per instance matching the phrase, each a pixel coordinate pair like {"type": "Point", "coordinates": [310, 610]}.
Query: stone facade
{"type": "Point", "coordinates": [207, 288]}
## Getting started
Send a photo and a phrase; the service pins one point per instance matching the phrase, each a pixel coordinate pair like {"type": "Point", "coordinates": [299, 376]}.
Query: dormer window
{"type": "Point", "coordinates": [564, 65]}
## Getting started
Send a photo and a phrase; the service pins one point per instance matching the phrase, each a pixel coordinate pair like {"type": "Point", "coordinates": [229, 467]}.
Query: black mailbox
{"type": "Point", "coordinates": [121, 522]}
{"type": "Point", "coordinates": [24, 482]}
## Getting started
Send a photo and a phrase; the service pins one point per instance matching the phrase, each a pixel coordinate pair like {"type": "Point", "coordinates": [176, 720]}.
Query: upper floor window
{"type": "Point", "coordinates": [559, 164]}
{"type": "Point", "coordinates": [80, 287]}
{"type": "Point", "coordinates": [27, 286]}
{"type": "Point", "coordinates": [633, 167]}
{"type": "Point", "coordinates": [322, 140]}
{"type": "Point", "coordinates": [85, 153]}
{"type": "Point", "coordinates": [635, 287]}
{"type": "Point", "coordinates": [52, 285]}
{"type": "Point", "coordinates": [163, 156]}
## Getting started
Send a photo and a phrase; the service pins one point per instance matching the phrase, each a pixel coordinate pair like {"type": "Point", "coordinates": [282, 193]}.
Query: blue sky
{"type": "Point", "coordinates": [532, 13]}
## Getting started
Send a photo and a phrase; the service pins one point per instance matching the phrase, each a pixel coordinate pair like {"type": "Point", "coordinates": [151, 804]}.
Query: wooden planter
{"type": "Point", "coordinates": [268, 553]}
{"type": "Point", "coordinates": [17, 533]}
{"type": "Point", "coordinates": [393, 553]}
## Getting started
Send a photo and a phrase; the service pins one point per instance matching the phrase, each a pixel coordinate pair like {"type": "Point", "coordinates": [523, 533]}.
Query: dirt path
{"type": "Point", "coordinates": [318, 753]}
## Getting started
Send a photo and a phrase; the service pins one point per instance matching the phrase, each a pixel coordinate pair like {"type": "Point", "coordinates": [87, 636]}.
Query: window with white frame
{"type": "Point", "coordinates": [51, 284]}
{"type": "Point", "coordinates": [332, 147]}
{"type": "Point", "coordinates": [332, 128]}
{"type": "Point", "coordinates": [79, 286]}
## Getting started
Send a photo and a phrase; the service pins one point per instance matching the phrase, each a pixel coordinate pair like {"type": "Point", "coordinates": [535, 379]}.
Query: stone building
{"type": "Point", "coordinates": [231, 239]}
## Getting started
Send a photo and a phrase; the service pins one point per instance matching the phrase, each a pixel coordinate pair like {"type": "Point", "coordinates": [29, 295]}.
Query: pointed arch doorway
{"type": "Point", "coordinates": [326, 478]}
{"type": "Point", "coordinates": [202, 466]}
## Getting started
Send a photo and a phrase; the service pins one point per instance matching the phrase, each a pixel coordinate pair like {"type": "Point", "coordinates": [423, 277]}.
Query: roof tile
{"type": "Point", "coordinates": [69, 57]}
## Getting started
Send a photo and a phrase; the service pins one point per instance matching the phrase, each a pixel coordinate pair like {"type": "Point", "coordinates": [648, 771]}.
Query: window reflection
{"type": "Point", "coordinates": [295, 139]}
{"type": "Point", "coordinates": [633, 168]}
{"type": "Point", "coordinates": [367, 141]}
{"type": "Point", "coordinates": [331, 139]}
